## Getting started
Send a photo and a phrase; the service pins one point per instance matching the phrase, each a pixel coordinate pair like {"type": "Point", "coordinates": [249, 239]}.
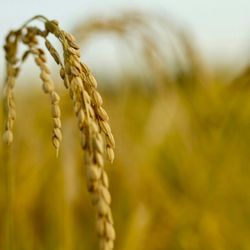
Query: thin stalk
{"type": "Point", "coordinates": [8, 185]}
{"type": "Point", "coordinates": [38, 17]}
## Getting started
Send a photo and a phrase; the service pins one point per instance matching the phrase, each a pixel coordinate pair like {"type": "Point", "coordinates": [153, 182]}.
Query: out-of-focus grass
{"type": "Point", "coordinates": [180, 179]}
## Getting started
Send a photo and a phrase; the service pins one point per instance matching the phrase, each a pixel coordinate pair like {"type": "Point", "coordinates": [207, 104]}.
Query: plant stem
{"type": "Point", "coordinates": [8, 192]}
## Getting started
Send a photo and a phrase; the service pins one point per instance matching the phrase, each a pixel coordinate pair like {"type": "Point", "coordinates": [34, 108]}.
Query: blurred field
{"type": "Point", "coordinates": [180, 180]}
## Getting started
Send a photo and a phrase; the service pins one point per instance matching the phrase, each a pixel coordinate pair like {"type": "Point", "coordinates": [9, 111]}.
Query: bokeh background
{"type": "Point", "coordinates": [175, 79]}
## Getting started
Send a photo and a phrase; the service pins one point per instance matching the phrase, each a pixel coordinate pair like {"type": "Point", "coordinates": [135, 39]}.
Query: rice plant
{"type": "Point", "coordinates": [87, 102]}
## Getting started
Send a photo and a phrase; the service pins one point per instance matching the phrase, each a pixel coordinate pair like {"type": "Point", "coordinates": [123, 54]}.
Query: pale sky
{"type": "Point", "coordinates": [221, 28]}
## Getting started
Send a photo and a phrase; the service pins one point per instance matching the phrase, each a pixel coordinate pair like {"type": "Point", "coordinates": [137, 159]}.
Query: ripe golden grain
{"type": "Point", "coordinates": [8, 137]}
{"type": "Point", "coordinates": [87, 104]}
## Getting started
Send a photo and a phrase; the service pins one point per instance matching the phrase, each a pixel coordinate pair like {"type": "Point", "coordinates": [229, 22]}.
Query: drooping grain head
{"type": "Point", "coordinates": [87, 103]}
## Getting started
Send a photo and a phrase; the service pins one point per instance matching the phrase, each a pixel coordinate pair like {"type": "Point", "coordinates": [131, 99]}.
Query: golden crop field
{"type": "Point", "coordinates": [167, 139]}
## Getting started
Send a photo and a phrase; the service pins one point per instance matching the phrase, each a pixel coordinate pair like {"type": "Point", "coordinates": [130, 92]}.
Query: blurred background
{"type": "Point", "coordinates": [174, 77]}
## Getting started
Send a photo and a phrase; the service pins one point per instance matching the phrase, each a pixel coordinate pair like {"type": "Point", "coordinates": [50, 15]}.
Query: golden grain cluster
{"type": "Point", "coordinates": [87, 103]}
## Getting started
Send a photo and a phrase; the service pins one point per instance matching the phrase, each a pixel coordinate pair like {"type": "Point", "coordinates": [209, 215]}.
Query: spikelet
{"type": "Point", "coordinates": [91, 117]}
